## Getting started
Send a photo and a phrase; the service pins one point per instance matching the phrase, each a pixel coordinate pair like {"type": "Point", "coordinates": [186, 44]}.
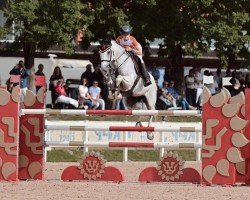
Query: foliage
{"type": "Point", "coordinates": [199, 25]}
{"type": "Point", "coordinates": [39, 24]}
{"type": "Point", "coordinates": [195, 26]}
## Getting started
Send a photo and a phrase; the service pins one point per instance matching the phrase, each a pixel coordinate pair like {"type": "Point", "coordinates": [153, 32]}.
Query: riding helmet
{"type": "Point", "coordinates": [126, 29]}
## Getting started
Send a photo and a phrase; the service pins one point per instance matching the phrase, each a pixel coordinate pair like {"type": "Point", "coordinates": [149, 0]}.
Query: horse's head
{"type": "Point", "coordinates": [106, 55]}
{"type": "Point", "coordinates": [108, 65]}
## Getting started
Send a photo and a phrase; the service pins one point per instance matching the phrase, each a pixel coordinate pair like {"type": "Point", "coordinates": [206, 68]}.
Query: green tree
{"type": "Point", "coordinates": [40, 24]}
{"type": "Point", "coordinates": [193, 27]}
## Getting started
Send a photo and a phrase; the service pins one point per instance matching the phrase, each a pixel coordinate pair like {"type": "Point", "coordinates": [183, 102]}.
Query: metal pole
{"type": "Point", "coordinates": [161, 140]}
{"type": "Point", "coordinates": [198, 150]}
{"type": "Point", "coordinates": [125, 150]}
{"type": "Point", "coordinates": [85, 139]}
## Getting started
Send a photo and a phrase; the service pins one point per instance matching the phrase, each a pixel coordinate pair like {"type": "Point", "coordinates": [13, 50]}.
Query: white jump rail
{"type": "Point", "coordinates": [113, 112]}
{"type": "Point", "coordinates": [197, 128]}
{"type": "Point", "coordinates": [150, 145]}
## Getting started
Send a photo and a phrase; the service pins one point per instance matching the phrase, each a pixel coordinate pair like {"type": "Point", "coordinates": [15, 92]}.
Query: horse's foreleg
{"type": "Point", "coordinates": [150, 134]}
{"type": "Point", "coordinates": [118, 80]}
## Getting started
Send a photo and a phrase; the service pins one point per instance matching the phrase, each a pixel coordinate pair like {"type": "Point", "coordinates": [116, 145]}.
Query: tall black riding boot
{"type": "Point", "coordinates": [145, 75]}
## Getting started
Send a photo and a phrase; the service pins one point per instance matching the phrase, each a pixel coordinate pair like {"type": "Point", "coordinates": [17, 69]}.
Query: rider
{"type": "Point", "coordinates": [131, 44]}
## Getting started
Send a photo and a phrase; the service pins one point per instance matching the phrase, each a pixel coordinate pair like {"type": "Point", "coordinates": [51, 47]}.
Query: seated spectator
{"type": "Point", "coordinates": [118, 103]}
{"type": "Point", "coordinates": [84, 97]}
{"type": "Point", "coordinates": [56, 76]}
{"type": "Point", "coordinates": [62, 96]}
{"type": "Point", "coordinates": [180, 101]}
{"type": "Point", "coordinates": [95, 96]}
{"type": "Point", "coordinates": [166, 97]}
{"type": "Point", "coordinates": [98, 76]}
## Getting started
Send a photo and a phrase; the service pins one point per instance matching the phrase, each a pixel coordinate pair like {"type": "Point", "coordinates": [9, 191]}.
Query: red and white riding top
{"type": "Point", "coordinates": [131, 42]}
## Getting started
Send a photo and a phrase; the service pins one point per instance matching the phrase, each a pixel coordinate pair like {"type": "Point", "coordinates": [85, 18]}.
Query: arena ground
{"type": "Point", "coordinates": [53, 188]}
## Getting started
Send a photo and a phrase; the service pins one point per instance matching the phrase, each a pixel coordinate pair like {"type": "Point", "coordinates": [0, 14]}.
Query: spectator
{"type": "Point", "coordinates": [24, 75]}
{"type": "Point", "coordinates": [118, 103]}
{"type": "Point", "coordinates": [228, 73]}
{"type": "Point", "coordinates": [88, 74]}
{"type": "Point", "coordinates": [234, 74]}
{"type": "Point", "coordinates": [155, 72]}
{"type": "Point", "coordinates": [84, 97]}
{"type": "Point", "coordinates": [95, 96]}
{"type": "Point", "coordinates": [236, 87]}
{"type": "Point", "coordinates": [32, 80]}
{"type": "Point", "coordinates": [167, 74]}
{"type": "Point", "coordinates": [56, 76]}
{"type": "Point", "coordinates": [190, 88]}
{"type": "Point", "coordinates": [213, 87]}
{"type": "Point", "coordinates": [98, 76]}
{"type": "Point", "coordinates": [198, 84]}
{"type": "Point", "coordinates": [180, 101]}
{"type": "Point", "coordinates": [218, 77]}
{"type": "Point", "coordinates": [39, 73]}
{"type": "Point", "coordinates": [62, 96]}
{"type": "Point", "coordinates": [166, 97]}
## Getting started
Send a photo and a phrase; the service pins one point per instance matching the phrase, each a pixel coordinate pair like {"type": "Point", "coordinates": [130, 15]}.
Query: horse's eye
{"type": "Point", "coordinates": [109, 52]}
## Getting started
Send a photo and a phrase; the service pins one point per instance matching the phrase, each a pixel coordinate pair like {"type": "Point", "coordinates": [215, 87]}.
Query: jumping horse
{"type": "Point", "coordinates": [123, 77]}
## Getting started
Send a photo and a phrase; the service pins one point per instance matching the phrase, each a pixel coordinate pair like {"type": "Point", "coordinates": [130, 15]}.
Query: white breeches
{"type": "Point", "coordinates": [68, 100]}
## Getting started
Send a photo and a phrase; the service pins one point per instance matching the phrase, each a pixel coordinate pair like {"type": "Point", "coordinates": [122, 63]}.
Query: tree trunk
{"type": "Point", "coordinates": [29, 50]}
{"type": "Point", "coordinates": [177, 68]}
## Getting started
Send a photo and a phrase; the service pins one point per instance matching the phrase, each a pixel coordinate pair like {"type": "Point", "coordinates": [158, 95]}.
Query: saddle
{"type": "Point", "coordinates": [137, 61]}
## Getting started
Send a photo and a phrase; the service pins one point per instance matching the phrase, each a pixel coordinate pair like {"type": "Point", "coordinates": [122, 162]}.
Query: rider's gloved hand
{"type": "Point", "coordinates": [128, 48]}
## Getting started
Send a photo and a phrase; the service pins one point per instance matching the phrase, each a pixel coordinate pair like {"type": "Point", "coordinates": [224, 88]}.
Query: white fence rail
{"type": "Point", "coordinates": [164, 140]}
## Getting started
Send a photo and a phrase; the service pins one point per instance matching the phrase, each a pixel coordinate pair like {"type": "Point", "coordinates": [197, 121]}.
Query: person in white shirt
{"type": "Point", "coordinates": [84, 97]}
{"type": "Point", "coordinates": [95, 97]}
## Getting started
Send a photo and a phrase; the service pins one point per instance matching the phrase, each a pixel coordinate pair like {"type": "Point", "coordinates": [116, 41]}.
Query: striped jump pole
{"type": "Point", "coordinates": [125, 144]}
{"type": "Point", "coordinates": [197, 128]}
{"type": "Point", "coordinates": [113, 112]}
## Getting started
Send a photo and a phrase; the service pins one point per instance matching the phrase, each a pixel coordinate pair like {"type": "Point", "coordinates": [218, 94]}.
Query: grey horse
{"type": "Point", "coordinates": [121, 76]}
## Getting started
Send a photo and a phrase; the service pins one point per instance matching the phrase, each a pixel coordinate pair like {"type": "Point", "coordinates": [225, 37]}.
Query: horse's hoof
{"type": "Point", "coordinates": [150, 135]}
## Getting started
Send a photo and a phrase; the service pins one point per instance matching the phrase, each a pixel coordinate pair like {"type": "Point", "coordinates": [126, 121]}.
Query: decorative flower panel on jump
{"type": "Point", "coordinates": [9, 134]}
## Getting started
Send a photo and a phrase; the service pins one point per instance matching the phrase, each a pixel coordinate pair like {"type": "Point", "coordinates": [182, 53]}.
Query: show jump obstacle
{"type": "Point", "coordinates": [225, 143]}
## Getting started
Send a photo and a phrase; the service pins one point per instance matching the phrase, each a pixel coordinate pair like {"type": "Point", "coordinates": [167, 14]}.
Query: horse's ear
{"type": "Point", "coordinates": [105, 41]}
